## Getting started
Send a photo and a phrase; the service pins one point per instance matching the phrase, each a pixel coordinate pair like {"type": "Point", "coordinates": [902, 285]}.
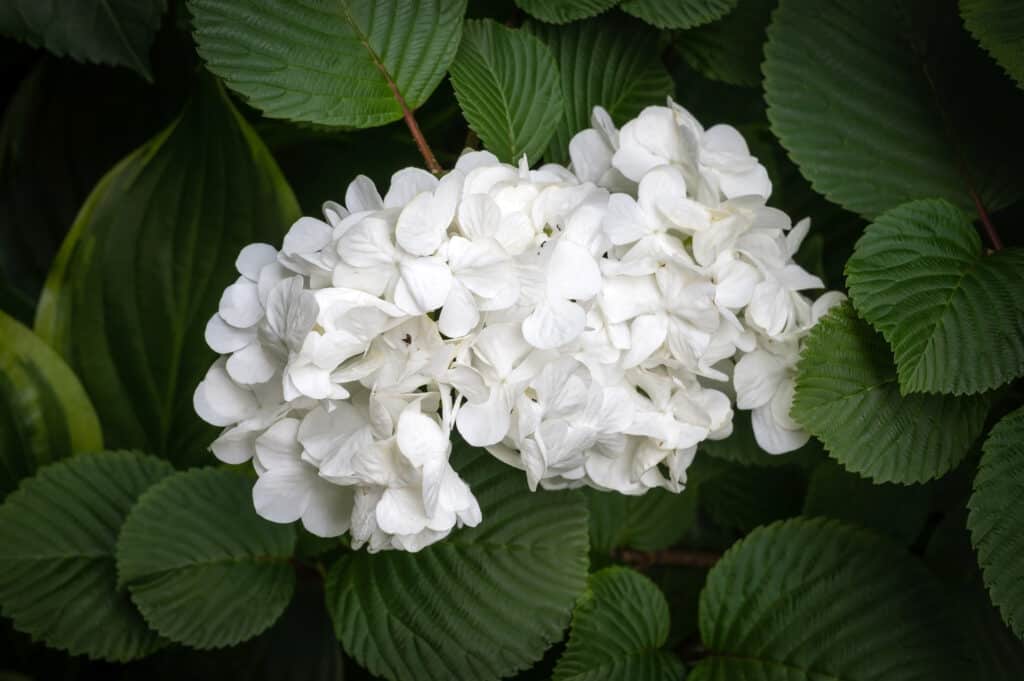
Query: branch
{"type": "Point", "coordinates": [414, 128]}
{"type": "Point", "coordinates": [671, 557]}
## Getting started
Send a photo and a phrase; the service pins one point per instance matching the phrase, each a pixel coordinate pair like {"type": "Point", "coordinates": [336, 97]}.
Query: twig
{"type": "Point", "coordinates": [990, 229]}
{"type": "Point", "coordinates": [414, 128]}
{"type": "Point", "coordinates": [671, 557]}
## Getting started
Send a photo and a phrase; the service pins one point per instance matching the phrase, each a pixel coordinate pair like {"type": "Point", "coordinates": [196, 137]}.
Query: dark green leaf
{"type": "Point", "coordinates": [653, 521]}
{"type": "Point", "coordinates": [732, 48]}
{"type": "Point", "coordinates": [999, 27]}
{"type": "Point", "coordinates": [678, 13]}
{"type": "Point", "coordinates": [564, 11]}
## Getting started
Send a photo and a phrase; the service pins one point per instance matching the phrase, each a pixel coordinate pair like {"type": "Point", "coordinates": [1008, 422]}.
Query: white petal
{"type": "Point", "coordinates": [423, 223]}
{"type": "Point", "coordinates": [329, 509]}
{"type": "Point", "coordinates": [400, 511]}
{"type": "Point", "coordinates": [479, 216]}
{"type": "Point", "coordinates": [220, 401]}
{"type": "Point", "coordinates": [771, 436]}
{"type": "Point", "coordinates": [591, 155]}
{"type": "Point", "coordinates": [252, 258]}
{"type": "Point", "coordinates": [240, 304]}
{"type": "Point", "coordinates": [407, 183]}
{"type": "Point", "coordinates": [459, 315]}
{"type": "Point", "coordinates": [236, 445]}
{"type": "Point", "coordinates": [362, 195]}
{"type": "Point", "coordinates": [424, 285]}
{"type": "Point", "coordinates": [572, 272]}
{"type": "Point", "coordinates": [625, 222]}
{"type": "Point", "coordinates": [420, 439]}
{"type": "Point", "coordinates": [647, 333]}
{"type": "Point", "coordinates": [307, 235]}
{"type": "Point", "coordinates": [736, 282]}
{"type": "Point", "coordinates": [224, 338]}
{"type": "Point", "coordinates": [367, 244]}
{"type": "Point", "coordinates": [252, 364]}
{"type": "Point", "coordinates": [282, 496]}
{"type": "Point", "coordinates": [726, 139]}
{"type": "Point", "coordinates": [756, 377]}
{"type": "Point", "coordinates": [754, 182]}
{"type": "Point", "coordinates": [334, 212]}
{"type": "Point", "coordinates": [554, 323]}
{"type": "Point", "coordinates": [277, 448]}
{"type": "Point", "coordinates": [485, 423]}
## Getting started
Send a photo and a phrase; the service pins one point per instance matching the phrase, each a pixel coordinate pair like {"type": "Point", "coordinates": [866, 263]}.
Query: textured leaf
{"type": "Point", "coordinates": [847, 396]}
{"type": "Point", "coordinates": [809, 600]}
{"type": "Point", "coordinates": [145, 264]}
{"type": "Point", "coordinates": [732, 48]}
{"type": "Point", "coordinates": [609, 61]}
{"type": "Point", "coordinates": [333, 63]}
{"type": "Point", "coordinates": [203, 568]}
{"type": "Point", "coordinates": [895, 129]}
{"type": "Point", "coordinates": [739, 498]}
{"type": "Point", "coordinates": [45, 414]}
{"type": "Point", "coordinates": [618, 628]}
{"type": "Point", "coordinates": [997, 517]}
{"type": "Point", "coordinates": [480, 605]}
{"type": "Point", "coordinates": [58, 532]}
{"type": "Point", "coordinates": [999, 27]}
{"type": "Point", "coordinates": [953, 315]}
{"type": "Point", "coordinates": [507, 85]}
{"type": "Point", "coordinates": [118, 32]}
{"type": "Point", "coordinates": [652, 521]}
{"type": "Point", "coordinates": [678, 13]}
{"type": "Point", "coordinates": [564, 11]}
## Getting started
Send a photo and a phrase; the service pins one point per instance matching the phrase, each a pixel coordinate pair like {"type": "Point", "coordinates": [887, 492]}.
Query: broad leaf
{"type": "Point", "coordinates": [953, 315]}
{"type": "Point", "coordinates": [145, 264]}
{"type": "Point", "coordinates": [507, 85]}
{"type": "Point", "coordinates": [848, 397]}
{"type": "Point", "coordinates": [678, 13]}
{"type": "Point", "coordinates": [997, 517]}
{"type": "Point", "coordinates": [343, 62]}
{"type": "Point", "coordinates": [652, 521]}
{"type": "Point", "coordinates": [999, 27]}
{"type": "Point", "coordinates": [479, 605]}
{"type": "Point", "coordinates": [44, 413]}
{"type": "Point", "coordinates": [203, 568]}
{"type": "Point", "coordinates": [118, 32]}
{"type": "Point", "coordinates": [57, 538]}
{"type": "Point", "coordinates": [804, 600]}
{"type": "Point", "coordinates": [618, 628]}
{"type": "Point", "coordinates": [609, 61]}
{"type": "Point", "coordinates": [564, 11]}
{"type": "Point", "coordinates": [872, 102]}
{"type": "Point", "coordinates": [732, 48]}
{"type": "Point", "coordinates": [738, 498]}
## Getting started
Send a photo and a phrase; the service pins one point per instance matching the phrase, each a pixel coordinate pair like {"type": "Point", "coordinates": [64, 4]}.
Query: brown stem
{"type": "Point", "coordinates": [670, 557]}
{"type": "Point", "coordinates": [990, 229]}
{"type": "Point", "coordinates": [414, 128]}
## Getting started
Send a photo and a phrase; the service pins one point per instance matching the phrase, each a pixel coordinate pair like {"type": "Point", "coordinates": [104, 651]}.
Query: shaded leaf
{"type": "Point", "coordinates": [730, 49]}
{"type": "Point", "coordinates": [564, 11]}
{"type": "Point", "coordinates": [678, 13]}
{"type": "Point", "coordinates": [999, 27]}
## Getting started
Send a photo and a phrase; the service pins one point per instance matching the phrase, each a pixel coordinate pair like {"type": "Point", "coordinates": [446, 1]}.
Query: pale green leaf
{"type": "Point", "coordinates": [508, 87]}
{"type": "Point", "coordinates": [58, 533]}
{"type": "Point", "coordinates": [730, 49]}
{"type": "Point", "coordinates": [999, 27]}
{"type": "Point", "coordinates": [564, 11]}
{"type": "Point", "coordinates": [848, 397]}
{"type": "Point", "coordinates": [678, 13]}
{"type": "Point", "coordinates": [203, 568]}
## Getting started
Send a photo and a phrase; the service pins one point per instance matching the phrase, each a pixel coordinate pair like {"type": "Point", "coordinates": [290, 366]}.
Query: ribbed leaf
{"type": "Point", "coordinates": [997, 517]}
{"type": "Point", "coordinates": [678, 13]}
{"type": "Point", "coordinates": [810, 600]}
{"type": "Point", "coordinates": [118, 32]}
{"type": "Point", "coordinates": [480, 605]}
{"type": "Point", "coordinates": [57, 538]}
{"type": "Point", "coordinates": [609, 61]}
{"type": "Point", "coordinates": [333, 62]}
{"type": "Point", "coordinates": [999, 27]}
{"type": "Point", "coordinates": [732, 48]}
{"type": "Point", "coordinates": [904, 113]}
{"type": "Point", "coordinates": [649, 522]}
{"type": "Point", "coordinates": [848, 397]}
{"type": "Point", "coordinates": [203, 568]}
{"type": "Point", "coordinates": [145, 264]}
{"type": "Point", "coordinates": [738, 498]}
{"type": "Point", "coordinates": [507, 85]}
{"type": "Point", "coordinates": [44, 413]}
{"type": "Point", "coordinates": [564, 11]}
{"type": "Point", "coordinates": [618, 628]}
{"type": "Point", "coordinates": [953, 315]}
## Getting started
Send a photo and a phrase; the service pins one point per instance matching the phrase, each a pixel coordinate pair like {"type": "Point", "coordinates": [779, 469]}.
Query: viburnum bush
{"type": "Point", "coordinates": [561, 339]}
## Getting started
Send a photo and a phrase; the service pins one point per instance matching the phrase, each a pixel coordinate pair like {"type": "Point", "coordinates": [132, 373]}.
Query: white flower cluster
{"type": "Point", "coordinates": [589, 325]}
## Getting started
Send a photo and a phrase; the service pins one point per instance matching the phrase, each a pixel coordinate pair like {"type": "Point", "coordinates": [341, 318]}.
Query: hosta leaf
{"type": "Point", "coordinates": [479, 605]}
{"type": "Point", "coordinates": [904, 125]}
{"type": "Point", "coordinates": [58, 532]}
{"type": "Point", "coordinates": [507, 85]}
{"type": "Point", "coordinates": [678, 13]}
{"type": "Point", "coordinates": [145, 265]}
{"type": "Point", "coordinates": [118, 32]}
{"type": "Point", "coordinates": [997, 517]}
{"type": "Point", "coordinates": [618, 628]}
{"type": "Point", "coordinates": [848, 397]}
{"type": "Point", "coordinates": [999, 27]}
{"type": "Point", "coordinates": [44, 413]}
{"type": "Point", "coordinates": [649, 522]}
{"type": "Point", "coordinates": [808, 600]}
{"type": "Point", "coordinates": [564, 11]}
{"type": "Point", "coordinates": [330, 62]}
{"type": "Point", "coordinates": [730, 49]}
{"type": "Point", "coordinates": [953, 315]}
{"type": "Point", "coordinates": [203, 568]}
{"type": "Point", "coordinates": [609, 61]}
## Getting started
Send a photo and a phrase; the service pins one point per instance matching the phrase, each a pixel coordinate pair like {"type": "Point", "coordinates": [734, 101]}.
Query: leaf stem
{"type": "Point", "coordinates": [986, 223]}
{"type": "Point", "coordinates": [414, 128]}
{"type": "Point", "coordinates": [670, 557]}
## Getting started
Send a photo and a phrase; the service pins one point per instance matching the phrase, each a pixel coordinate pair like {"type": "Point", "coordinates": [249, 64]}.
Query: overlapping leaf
{"type": "Point", "coordinates": [678, 13]}
{"type": "Point", "coordinates": [847, 396]}
{"type": "Point", "coordinates": [479, 605]}
{"type": "Point", "coordinates": [334, 63]}
{"type": "Point", "coordinates": [999, 27]}
{"type": "Point", "coordinates": [564, 11]}
{"type": "Point", "coordinates": [202, 567]}
{"type": "Point", "coordinates": [57, 538]}
{"type": "Point", "coordinates": [732, 48]}
{"type": "Point", "coordinates": [508, 87]}
{"type": "Point", "coordinates": [953, 315]}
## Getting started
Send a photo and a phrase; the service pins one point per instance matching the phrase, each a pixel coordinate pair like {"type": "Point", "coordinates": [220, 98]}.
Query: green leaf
{"type": "Point", "coordinates": [652, 521]}
{"type": "Point", "coordinates": [45, 414]}
{"type": "Point", "coordinates": [58, 532]}
{"type": "Point", "coordinates": [809, 600]}
{"type": "Point", "coordinates": [618, 628]}
{"type": "Point", "coordinates": [996, 519]}
{"type": "Point", "coordinates": [610, 61]}
{"type": "Point", "coordinates": [508, 87]}
{"type": "Point", "coordinates": [145, 264]}
{"type": "Point", "coordinates": [953, 315]}
{"type": "Point", "coordinates": [564, 11]}
{"type": "Point", "coordinates": [730, 49]}
{"type": "Point", "coordinates": [334, 63]}
{"type": "Point", "coordinates": [203, 568]}
{"type": "Point", "coordinates": [678, 13]}
{"type": "Point", "coordinates": [118, 32]}
{"type": "Point", "coordinates": [739, 498]}
{"type": "Point", "coordinates": [847, 396]}
{"type": "Point", "coordinates": [904, 124]}
{"type": "Point", "coordinates": [480, 605]}
{"type": "Point", "coordinates": [999, 27]}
